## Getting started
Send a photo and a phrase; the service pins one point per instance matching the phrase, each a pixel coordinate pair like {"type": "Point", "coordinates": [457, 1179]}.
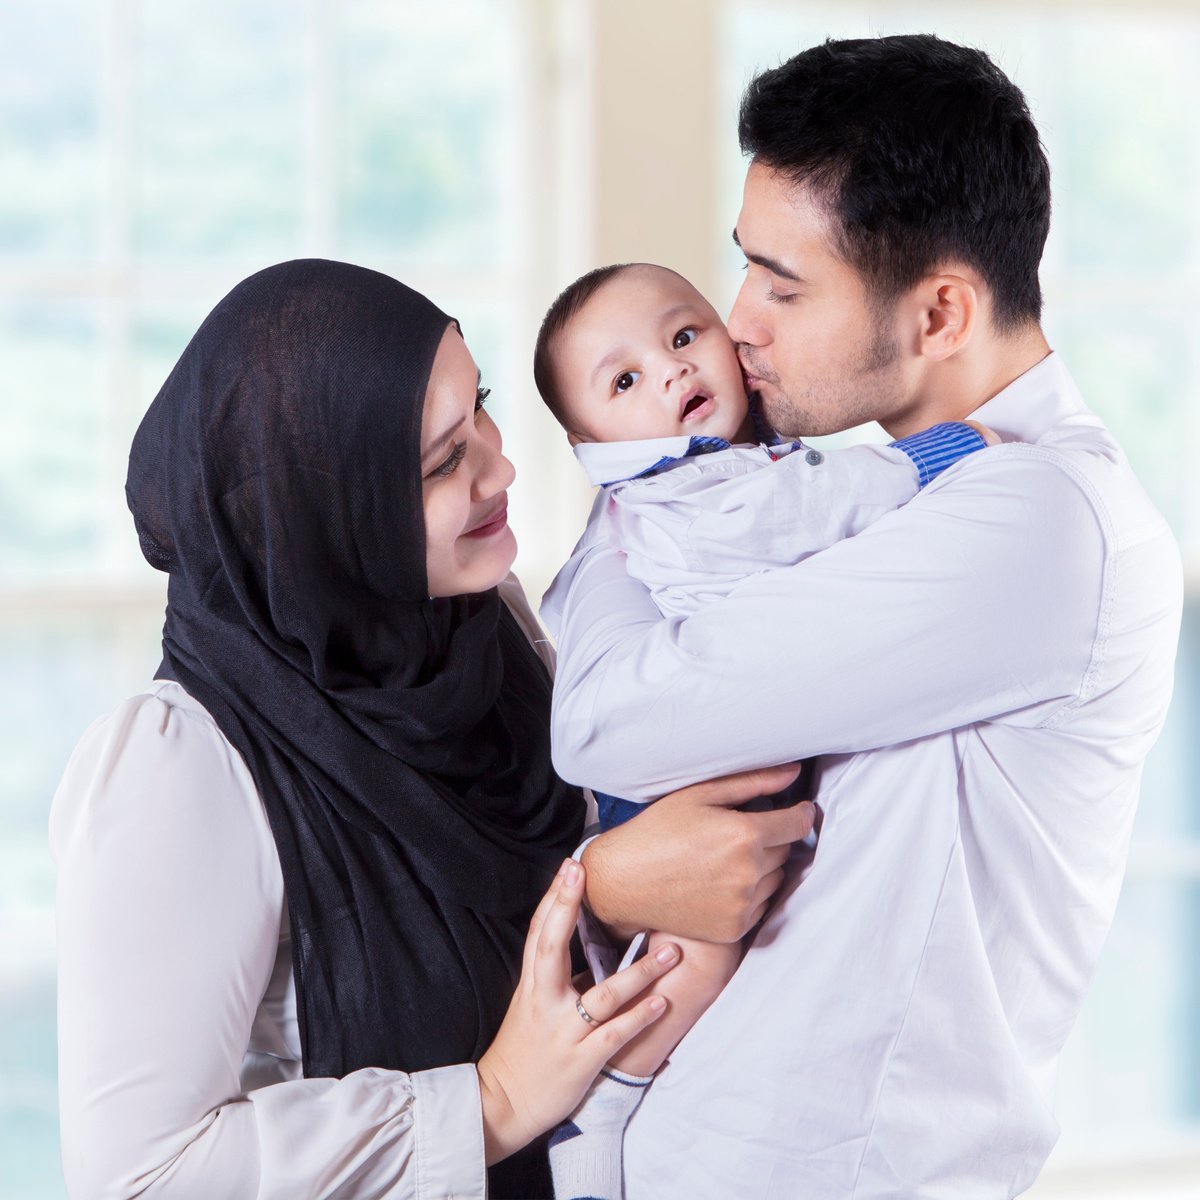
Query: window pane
{"type": "Point", "coordinates": [49, 142]}
{"type": "Point", "coordinates": [1131, 1070]}
{"type": "Point", "coordinates": [1133, 366]}
{"type": "Point", "coordinates": [219, 133]}
{"type": "Point", "coordinates": [52, 462]}
{"type": "Point", "coordinates": [428, 138]}
{"type": "Point", "coordinates": [55, 680]}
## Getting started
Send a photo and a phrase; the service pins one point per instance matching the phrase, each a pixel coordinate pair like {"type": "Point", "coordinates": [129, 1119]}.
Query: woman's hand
{"type": "Point", "coordinates": [692, 865]}
{"type": "Point", "coordinates": [546, 1054]}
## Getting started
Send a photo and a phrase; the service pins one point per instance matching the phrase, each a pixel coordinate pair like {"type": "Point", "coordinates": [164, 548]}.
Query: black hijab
{"type": "Point", "coordinates": [400, 744]}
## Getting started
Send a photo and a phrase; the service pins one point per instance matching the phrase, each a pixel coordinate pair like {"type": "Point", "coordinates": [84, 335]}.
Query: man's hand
{"type": "Point", "coordinates": [692, 866]}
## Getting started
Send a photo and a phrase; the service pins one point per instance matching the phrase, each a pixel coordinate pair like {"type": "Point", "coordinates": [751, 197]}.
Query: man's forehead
{"type": "Point", "coordinates": [781, 225]}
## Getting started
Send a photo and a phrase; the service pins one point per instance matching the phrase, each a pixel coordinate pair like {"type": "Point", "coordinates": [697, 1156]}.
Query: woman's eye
{"type": "Point", "coordinates": [685, 337]}
{"type": "Point", "coordinates": [481, 395]}
{"type": "Point", "coordinates": [775, 297]}
{"type": "Point", "coordinates": [626, 380]}
{"type": "Point", "coordinates": [451, 464]}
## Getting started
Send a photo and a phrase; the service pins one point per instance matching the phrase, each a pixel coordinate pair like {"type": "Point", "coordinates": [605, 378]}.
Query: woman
{"type": "Point", "coordinates": [295, 876]}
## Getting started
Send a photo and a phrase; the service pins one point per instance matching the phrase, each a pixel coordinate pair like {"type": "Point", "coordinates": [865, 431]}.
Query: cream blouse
{"type": "Point", "coordinates": [179, 1055]}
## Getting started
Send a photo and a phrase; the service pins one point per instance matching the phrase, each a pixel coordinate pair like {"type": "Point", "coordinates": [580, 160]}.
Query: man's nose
{"type": "Point", "coordinates": [745, 324]}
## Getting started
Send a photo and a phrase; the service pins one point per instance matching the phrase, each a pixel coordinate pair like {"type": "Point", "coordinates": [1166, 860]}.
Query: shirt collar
{"type": "Point", "coordinates": [614, 462]}
{"type": "Point", "coordinates": [1044, 398]}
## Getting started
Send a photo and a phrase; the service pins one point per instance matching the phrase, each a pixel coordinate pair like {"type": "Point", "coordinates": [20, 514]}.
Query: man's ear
{"type": "Point", "coordinates": [949, 308]}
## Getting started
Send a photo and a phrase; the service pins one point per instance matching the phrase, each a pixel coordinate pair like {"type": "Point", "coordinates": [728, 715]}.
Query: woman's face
{"type": "Point", "coordinates": [468, 544]}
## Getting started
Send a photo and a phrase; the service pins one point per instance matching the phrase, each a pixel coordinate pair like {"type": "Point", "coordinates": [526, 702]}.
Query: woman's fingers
{"type": "Point", "coordinates": [539, 919]}
{"type": "Point", "coordinates": [551, 959]}
{"type": "Point", "coordinates": [609, 997]}
{"type": "Point", "coordinates": [616, 1032]}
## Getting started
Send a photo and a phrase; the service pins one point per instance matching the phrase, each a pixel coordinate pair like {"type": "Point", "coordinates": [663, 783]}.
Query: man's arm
{"type": "Point", "coordinates": [981, 598]}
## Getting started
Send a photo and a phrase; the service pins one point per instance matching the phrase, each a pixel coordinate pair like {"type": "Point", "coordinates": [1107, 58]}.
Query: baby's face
{"type": "Point", "coordinates": [648, 357]}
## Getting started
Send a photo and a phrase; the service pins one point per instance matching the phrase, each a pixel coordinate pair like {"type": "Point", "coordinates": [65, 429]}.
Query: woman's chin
{"type": "Point", "coordinates": [486, 565]}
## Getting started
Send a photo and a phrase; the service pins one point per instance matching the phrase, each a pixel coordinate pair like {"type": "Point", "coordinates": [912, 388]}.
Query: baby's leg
{"type": "Point", "coordinates": [690, 987]}
{"type": "Point", "coordinates": [585, 1151]}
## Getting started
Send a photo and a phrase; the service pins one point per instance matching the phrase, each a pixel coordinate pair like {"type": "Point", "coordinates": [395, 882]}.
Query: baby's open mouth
{"type": "Point", "coordinates": [697, 401]}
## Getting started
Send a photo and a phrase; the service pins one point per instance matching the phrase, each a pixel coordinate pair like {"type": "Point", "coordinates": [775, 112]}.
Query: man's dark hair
{"type": "Point", "coordinates": [926, 155]}
{"type": "Point", "coordinates": [560, 314]}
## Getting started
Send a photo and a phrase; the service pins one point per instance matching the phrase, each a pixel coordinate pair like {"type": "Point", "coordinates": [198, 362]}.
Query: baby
{"type": "Point", "coordinates": [639, 370]}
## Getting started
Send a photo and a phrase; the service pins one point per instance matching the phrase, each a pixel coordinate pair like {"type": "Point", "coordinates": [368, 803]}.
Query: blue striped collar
{"type": "Point", "coordinates": [616, 462]}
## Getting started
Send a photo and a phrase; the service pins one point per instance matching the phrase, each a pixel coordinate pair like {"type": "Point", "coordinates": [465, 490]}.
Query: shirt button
{"type": "Point", "coordinates": [814, 458]}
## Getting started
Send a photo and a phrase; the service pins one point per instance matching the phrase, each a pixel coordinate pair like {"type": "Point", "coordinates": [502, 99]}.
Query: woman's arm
{"type": "Point", "coordinates": [169, 906]}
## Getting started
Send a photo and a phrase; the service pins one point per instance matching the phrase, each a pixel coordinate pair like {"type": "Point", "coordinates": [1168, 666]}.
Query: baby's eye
{"type": "Point", "coordinates": [685, 337]}
{"type": "Point", "coordinates": [626, 380]}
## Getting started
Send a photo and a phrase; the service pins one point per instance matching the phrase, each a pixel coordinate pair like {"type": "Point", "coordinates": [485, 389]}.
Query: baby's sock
{"type": "Point", "coordinates": [585, 1150]}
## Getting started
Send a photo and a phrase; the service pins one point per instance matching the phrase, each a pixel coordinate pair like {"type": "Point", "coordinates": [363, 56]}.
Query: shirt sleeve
{"type": "Point", "coordinates": [978, 599]}
{"type": "Point", "coordinates": [169, 906]}
{"type": "Point", "coordinates": [695, 521]}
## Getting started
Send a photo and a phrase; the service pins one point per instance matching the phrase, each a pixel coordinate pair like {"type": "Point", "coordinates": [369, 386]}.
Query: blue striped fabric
{"type": "Point", "coordinates": [938, 447]}
{"type": "Point", "coordinates": [700, 444]}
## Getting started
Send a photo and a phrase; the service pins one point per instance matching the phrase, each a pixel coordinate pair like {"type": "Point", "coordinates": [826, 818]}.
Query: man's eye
{"type": "Point", "coordinates": [685, 337]}
{"type": "Point", "coordinates": [626, 380]}
{"type": "Point", "coordinates": [481, 395]}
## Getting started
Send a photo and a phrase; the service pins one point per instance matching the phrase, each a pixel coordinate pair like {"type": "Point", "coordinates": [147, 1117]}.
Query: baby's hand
{"type": "Point", "coordinates": [990, 436]}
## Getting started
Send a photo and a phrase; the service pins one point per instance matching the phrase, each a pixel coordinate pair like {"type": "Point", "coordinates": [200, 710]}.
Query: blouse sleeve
{"type": "Point", "coordinates": [169, 906]}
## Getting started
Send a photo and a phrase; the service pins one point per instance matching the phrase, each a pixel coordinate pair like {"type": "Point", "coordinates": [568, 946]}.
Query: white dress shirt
{"type": "Point", "coordinates": [983, 672]}
{"type": "Point", "coordinates": [180, 1070]}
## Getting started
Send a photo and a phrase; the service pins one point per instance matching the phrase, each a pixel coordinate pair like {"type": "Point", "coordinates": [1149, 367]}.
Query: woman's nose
{"type": "Point", "coordinates": [495, 473]}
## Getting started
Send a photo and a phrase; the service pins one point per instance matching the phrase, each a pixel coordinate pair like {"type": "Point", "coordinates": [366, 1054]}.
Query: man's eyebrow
{"type": "Point", "coordinates": [772, 264]}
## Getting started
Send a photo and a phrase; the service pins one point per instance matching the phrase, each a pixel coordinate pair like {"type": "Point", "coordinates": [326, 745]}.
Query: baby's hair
{"type": "Point", "coordinates": [564, 309]}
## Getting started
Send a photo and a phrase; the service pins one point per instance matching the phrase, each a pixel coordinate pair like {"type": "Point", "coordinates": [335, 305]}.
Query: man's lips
{"type": "Point", "coordinates": [492, 523]}
{"type": "Point", "coordinates": [750, 377]}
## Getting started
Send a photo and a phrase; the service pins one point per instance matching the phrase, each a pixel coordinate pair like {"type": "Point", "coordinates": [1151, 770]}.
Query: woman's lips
{"type": "Point", "coordinates": [491, 524]}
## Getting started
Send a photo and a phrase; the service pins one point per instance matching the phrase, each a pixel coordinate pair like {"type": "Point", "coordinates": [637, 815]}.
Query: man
{"type": "Point", "coordinates": [982, 672]}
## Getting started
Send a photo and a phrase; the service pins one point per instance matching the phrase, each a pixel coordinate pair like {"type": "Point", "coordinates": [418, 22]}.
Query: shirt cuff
{"type": "Point", "coordinates": [938, 447]}
{"type": "Point", "coordinates": [448, 1125]}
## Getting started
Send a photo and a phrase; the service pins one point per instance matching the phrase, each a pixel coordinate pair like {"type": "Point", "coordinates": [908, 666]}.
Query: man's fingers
{"type": "Point", "coordinates": [611, 995]}
{"type": "Point", "coordinates": [782, 826]}
{"type": "Point", "coordinates": [768, 885]}
{"type": "Point", "coordinates": [732, 790]}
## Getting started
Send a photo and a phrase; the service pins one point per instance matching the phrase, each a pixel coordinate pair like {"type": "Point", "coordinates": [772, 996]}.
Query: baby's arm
{"type": "Point", "coordinates": [715, 519]}
{"type": "Point", "coordinates": [698, 979]}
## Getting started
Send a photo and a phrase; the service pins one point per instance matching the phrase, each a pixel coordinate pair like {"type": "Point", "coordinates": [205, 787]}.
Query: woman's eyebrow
{"type": "Point", "coordinates": [442, 440]}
